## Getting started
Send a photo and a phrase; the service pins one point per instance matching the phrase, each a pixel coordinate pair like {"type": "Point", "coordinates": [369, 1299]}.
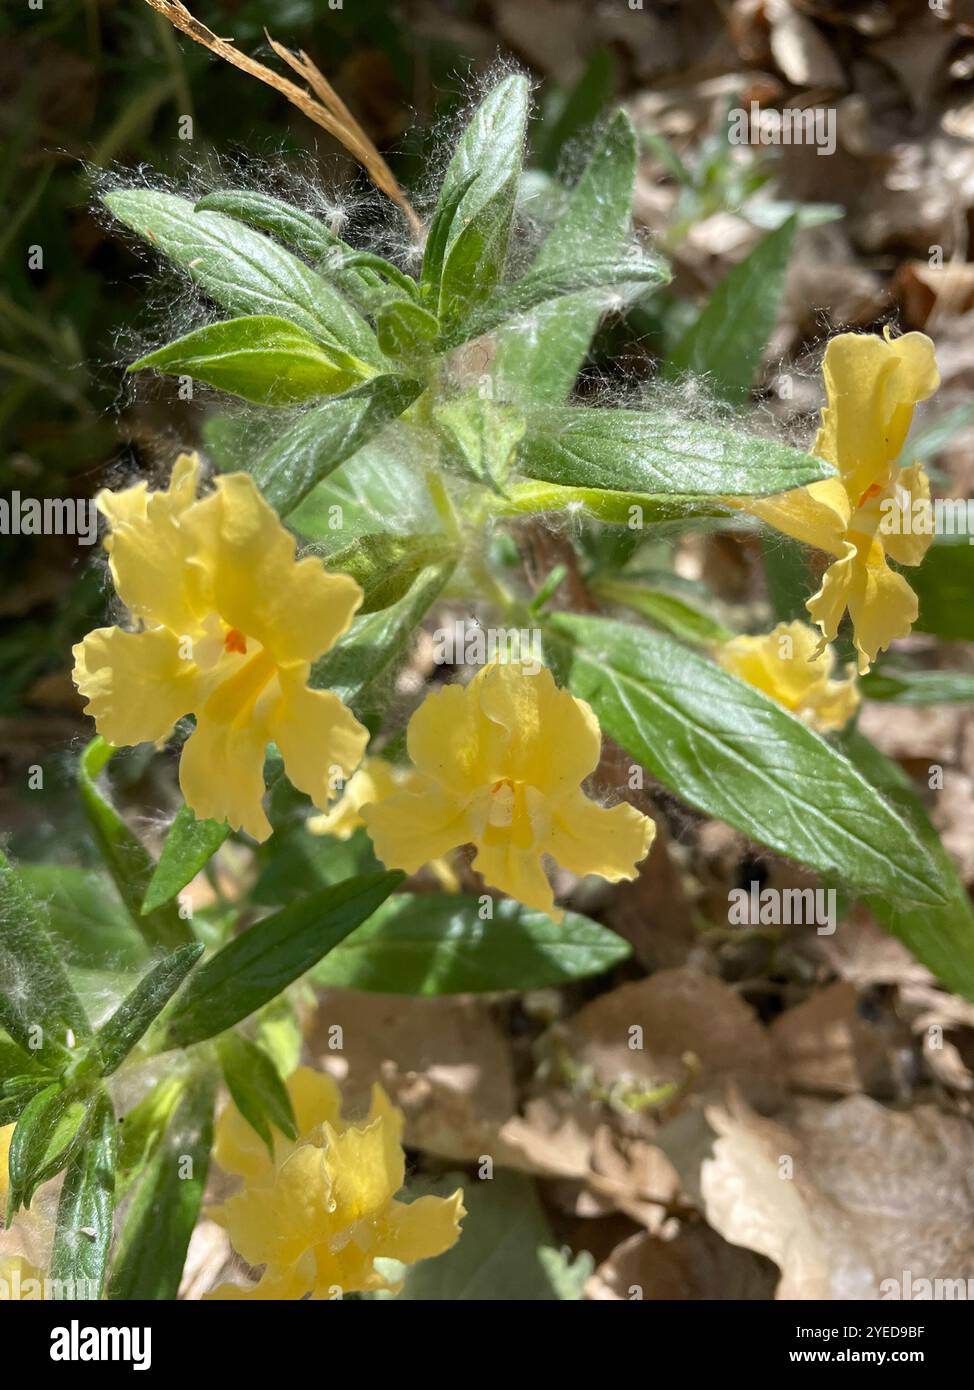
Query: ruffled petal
{"type": "Point", "coordinates": [535, 732]}
{"type": "Point", "coordinates": [411, 828]}
{"type": "Point", "coordinates": [136, 683]}
{"type": "Point", "coordinates": [239, 1149]}
{"type": "Point", "coordinates": [817, 515]}
{"type": "Point", "coordinates": [420, 1229]}
{"type": "Point", "coordinates": [365, 1167]}
{"type": "Point", "coordinates": [834, 705]}
{"type": "Point", "coordinates": [221, 774]}
{"type": "Point", "coordinates": [149, 549]}
{"type": "Point", "coordinates": [445, 738]}
{"type": "Point", "coordinates": [881, 603]}
{"type": "Point", "coordinates": [315, 1098]}
{"type": "Point", "coordinates": [872, 385]}
{"type": "Point", "coordinates": [295, 609]}
{"type": "Point", "coordinates": [911, 493]}
{"type": "Point", "coordinates": [518, 872]}
{"type": "Point", "coordinates": [319, 738]}
{"type": "Point", "coordinates": [586, 838]}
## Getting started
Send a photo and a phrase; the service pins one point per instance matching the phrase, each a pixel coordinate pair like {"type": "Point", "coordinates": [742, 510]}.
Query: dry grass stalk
{"type": "Point", "coordinates": [325, 107]}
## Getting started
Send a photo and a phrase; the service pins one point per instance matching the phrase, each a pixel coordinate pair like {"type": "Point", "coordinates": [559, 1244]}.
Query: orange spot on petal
{"type": "Point", "coordinates": [235, 641]}
{"type": "Point", "coordinates": [873, 490]}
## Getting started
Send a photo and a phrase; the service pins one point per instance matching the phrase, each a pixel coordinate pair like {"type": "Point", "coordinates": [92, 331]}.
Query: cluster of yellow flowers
{"type": "Point", "coordinates": [318, 1212]}
{"type": "Point", "coordinates": [229, 622]}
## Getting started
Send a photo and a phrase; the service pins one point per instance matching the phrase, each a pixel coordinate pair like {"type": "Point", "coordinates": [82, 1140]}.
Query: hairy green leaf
{"type": "Point", "coordinates": [257, 965]}
{"type": "Point", "coordinates": [259, 358]}
{"type": "Point", "coordinates": [729, 750]}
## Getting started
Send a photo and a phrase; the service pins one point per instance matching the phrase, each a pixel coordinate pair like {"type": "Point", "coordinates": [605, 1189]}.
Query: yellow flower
{"type": "Point", "coordinates": [500, 764]}
{"type": "Point", "coordinates": [872, 385]}
{"type": "Point", "coordinates": [321, 1211]}
{"type": "Point", "coordinates": [787, 666]}
{"type": "Point", "coordinates": [375, 779]}
{"type": "Point", "coordinates": [229, 624]}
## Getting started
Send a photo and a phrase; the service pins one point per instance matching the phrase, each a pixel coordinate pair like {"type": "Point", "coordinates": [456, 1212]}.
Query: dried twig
{"type": "Point", "coordinates": [325, 107]}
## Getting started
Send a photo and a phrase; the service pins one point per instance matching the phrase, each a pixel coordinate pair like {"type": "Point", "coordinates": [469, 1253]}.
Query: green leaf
{"type": "Point", "coordinates": [727, 340]}
{"type": "Point", "coordinates": [83, 1231]}
{"type": "Point", "coordinates": [481, 437]}
{"type": "Point", "coordinates": [579, 110]}
{"type": "Point", "coordinates": [165, 1204]}
{"type": "Point", "coordinates": [189, 845]}
{"type": "Point", "coordinates": [542, 365]}
{"type": "Point", "coordinates": [942, 937]}
{"type": "Point", "coordinates": [295, 227]}
{"type": "Point", "coordinates": [736, 755]}
{"type": "Point", "coordinates": [257, 965]}
{"type": "Point", "coordinates": [645, 451]}
{"type": "Point", "coordinates": [44, 1137]}
{"type": "Point", "coordinates": [259, 358]}
{"type": "Point", "coordinates": [386, 566]}
{"type": "Point", "coordinates": [242, 270]}
{"type": "Point", "coordinates": [36, 993]}
{"type": "Point", "coordinates": [944, 584]}
{"type": "Point", "coordinates": [906, 687]}
{"type": "Point", "coordinates": [498, 1254]}
{"type": "Point", "coordinates": [787, 575]}
{"type": "Point", "coordinates": [257, 1090]}
{"type": "Point", "coordinates": [664, 609]}
{"type": "Point", "coordinates": [357, 666]}
{"type": "Point", "coordinates": [546, 283]}
{"type": "Point", "coordinates": [475, 247]}
{"type": "Point", "coordinates": [126, 858]}
{"type": "Point", "coordinates": [439, 944]}
{"type": "Point", "coordinates": [85, 919]}
{"type": "Point", "coordinates": [17, 1094]}
{"type": "Point", "coordinates": [406, 330]}
{"type": "Point", "coordinates": [326, 436]}
{"type": "Point", "coordinates": [635, 510]}
{"type": "Point", "coordinates": [130, 1021]}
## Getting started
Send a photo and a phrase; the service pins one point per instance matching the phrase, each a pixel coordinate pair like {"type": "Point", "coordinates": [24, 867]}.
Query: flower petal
{"type": "Point", "coordinates": [586, 838]}
{"type": "Point", "coordinates": [518, 872]}
{"type": "Point", "coordinates": [535, 732]}
{"type": "Point", "coordinates": [365, 1167]}
{"type": "Point", "coordinates": [420, 1229]}
{"type": "Point", "coordinates": [880, 602]}
{"type": "Point", "coordinates": [239, 1149]}
{"type": "Point", "coordinates": [149, 549]}
{"type": "Point", "coordinates": [315, 1098]}
{"type": "Point", "coordinates": [816, 515]}
{"type": "Point", "coordinates": [912, 486]}
{"type": "Point", "coordinates": [294, 608]}
{"type": "Point", "coordinates": [319, 738]}
{"type": "Point", "coordinates": [411, 828]}
{"type": "Point", "coordinates": [136, 683]}
{"type": "Point", "coordinates": [221, 774]}
{"type": "Point", "coordinates": [872, 385]}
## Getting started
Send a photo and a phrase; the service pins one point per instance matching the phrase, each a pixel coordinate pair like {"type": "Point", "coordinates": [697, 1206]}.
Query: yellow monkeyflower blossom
{"type": "Point", "coordinates": [499, 764]}
{"type": "Point", "coordinates": [787, 665]}
{"type": "Point", "coordinates": [872, 386]}
{"type": "Point", "coordinates": [373, 780]}
{"type": "Point", "coordinates": [228, 624]}
{"type": "Point", "coordinates": [321, 1211]}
